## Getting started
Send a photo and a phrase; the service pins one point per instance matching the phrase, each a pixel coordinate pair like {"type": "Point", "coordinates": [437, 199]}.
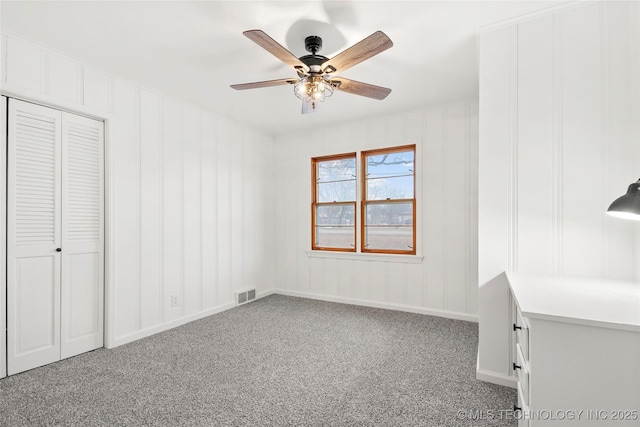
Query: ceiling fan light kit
{"type": "Point", "coordinates": [312, 89]}
{"type": "Point", "coordinates": [315, 82]}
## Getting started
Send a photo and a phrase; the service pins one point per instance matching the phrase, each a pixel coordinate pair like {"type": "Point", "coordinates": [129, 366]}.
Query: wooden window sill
{"type": "Point", "coordinates": [359, 256]}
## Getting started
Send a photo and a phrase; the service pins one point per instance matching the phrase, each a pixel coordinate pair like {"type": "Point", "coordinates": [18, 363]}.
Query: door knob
{"type": "Point", "coordinates": [58, 249]}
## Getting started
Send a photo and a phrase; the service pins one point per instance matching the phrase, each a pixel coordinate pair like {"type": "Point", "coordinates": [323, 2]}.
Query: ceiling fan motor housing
{"type": "Point", "coordinates": [313, 44]}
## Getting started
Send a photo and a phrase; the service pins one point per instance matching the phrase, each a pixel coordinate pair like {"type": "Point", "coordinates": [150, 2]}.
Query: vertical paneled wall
{"type": "Point", "coordinates": [443, 279]}
{"type": "Point", "coordinates": [190, 208]}
{"type": "Point", "coordinates": [559, 141]}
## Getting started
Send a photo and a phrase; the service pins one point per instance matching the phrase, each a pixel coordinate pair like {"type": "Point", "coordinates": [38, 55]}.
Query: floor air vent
{"type": "Point", "coordinates": [243, 297]}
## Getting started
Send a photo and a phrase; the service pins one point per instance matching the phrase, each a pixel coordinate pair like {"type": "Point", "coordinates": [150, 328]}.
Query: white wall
{"type": "Point", "coordinates": [442, 278]}
{"type": "Point", "coordinates": [189, 193]}
{"type": "Point", "coordinates": [559, 141]}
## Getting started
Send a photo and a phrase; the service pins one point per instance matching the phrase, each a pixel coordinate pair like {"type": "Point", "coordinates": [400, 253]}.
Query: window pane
{"type": "Point", "coordinates": [390, 164]}
{"type": "Point", "coordinates": [335, 226]}
{"type": "Point", "coordinates": [390, 176]}
{"type": "Point", "coordinates": [337, 191]}
{"type": "Point", "coordinates": [400, 187]}
{"type": "Point", "coordinates": [336, 180]}
{"type": "Point", "coordinates": [337, 170]}
{"type": "Point", "coordinates": [389, 214]}
{"type": "Point", "coordinates": [389, 226]}
{"type": "Point", "coordinates": [393, 238]}
{"type": "Point", "coordinates": [335, 237]}
{"type": "Point", "coordinates": [335, 214]}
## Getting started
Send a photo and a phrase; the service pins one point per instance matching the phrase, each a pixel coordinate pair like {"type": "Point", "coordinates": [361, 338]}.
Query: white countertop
{"type": "Point", "coordinates": [592, 301]}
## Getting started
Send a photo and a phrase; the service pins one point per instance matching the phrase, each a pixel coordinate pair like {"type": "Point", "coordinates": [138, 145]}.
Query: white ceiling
{"type": "Point", "coordinates": [194, 50]}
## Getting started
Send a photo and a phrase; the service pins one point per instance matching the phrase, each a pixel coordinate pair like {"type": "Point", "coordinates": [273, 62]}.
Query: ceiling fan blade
{"type": "Point", "coordinates": [266, 83]}
{"type": "Point", "coordinates": [359, 88]}
{"type": "Point", "coordinates": [276, 49]}
{"type": "Point", "coordinates": [364, 49]}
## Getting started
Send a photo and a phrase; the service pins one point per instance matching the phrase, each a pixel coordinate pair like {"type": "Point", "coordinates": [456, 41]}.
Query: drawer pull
{"type": "Point", "coordinates": [516, 327]}
{"type": "Point", "coordinates": [516, 366]}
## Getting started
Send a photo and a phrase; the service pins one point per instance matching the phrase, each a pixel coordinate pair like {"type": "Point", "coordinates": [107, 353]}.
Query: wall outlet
{"type": "Point", "coordinates": [175, 301]}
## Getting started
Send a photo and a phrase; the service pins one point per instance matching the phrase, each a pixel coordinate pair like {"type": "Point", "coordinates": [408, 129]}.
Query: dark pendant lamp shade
{"type": "Point", "coordinates": [628, 205]}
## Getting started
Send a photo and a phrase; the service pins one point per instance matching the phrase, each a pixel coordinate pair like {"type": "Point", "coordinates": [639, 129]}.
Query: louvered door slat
{"type": "Point", "coordinates": [34, 137]}
{"type": "Point", "coordinates": [36, 155]}
{"type": "Point", "coordinates": [38, 192]}
{"type": "Point", "coordinates": [39, 135]}
{"type": "Point", "coordinates": [85, 158]}
{"type": "Point", "coordinates": [29, 128]}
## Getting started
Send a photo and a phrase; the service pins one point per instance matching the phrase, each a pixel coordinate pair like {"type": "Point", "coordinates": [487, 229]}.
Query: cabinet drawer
{"type": "Point", "coordinates": [522, 417]}
{"type": "Point", "coordinates": [522, 334]}
{"type": "Point", "coordinates": [522, 373]}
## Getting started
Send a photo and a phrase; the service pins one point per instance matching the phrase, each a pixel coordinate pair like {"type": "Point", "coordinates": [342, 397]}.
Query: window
{"type": "Point", "coordinates": [388, 201]}
{"type": "Point", "coordinates": [333, 210]}
{"type": "Point", "coordinates": [386, 212]}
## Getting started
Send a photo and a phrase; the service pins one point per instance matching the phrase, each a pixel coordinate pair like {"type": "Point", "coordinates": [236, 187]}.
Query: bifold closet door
{"type": "Point", "coordinates": [82, 235]}
{"type": "Point", "coordinates": [54, 233]}
{"type": "Point", "coordinates": [33, 235]}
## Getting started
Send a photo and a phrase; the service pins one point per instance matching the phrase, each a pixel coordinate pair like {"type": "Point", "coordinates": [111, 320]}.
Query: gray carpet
{"type": "Point", "coordinates": [278, 361]}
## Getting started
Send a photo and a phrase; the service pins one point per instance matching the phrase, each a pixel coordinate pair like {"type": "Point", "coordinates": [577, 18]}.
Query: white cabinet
{"type": "Point", "coordinates": [55, 229]}
{"type": "Point", "coordinates": [576, 346]}
{"type": "Point", "coordinates": [520, 362]}
{"type": "Point", "coordinates": [3, 223]}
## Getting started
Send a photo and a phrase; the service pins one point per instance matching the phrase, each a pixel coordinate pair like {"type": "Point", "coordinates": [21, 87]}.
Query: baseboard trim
{"type": "Point", "coordinates": [496, 378]}
{"type": "Point", "coordinates": [134, 336]}
{"type": "Point", "coordinates": [264, 294]}
{"type": "Point", "coordinates": [169, 325]}
{"type": "Point", "coordinates": [178, 322]}
{"type": "Point", "coordinates": [375, 304]}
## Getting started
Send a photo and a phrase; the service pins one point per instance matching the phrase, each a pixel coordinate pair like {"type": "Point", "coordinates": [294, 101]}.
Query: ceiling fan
{"type": "Point", "coordinates": [315, 81]}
